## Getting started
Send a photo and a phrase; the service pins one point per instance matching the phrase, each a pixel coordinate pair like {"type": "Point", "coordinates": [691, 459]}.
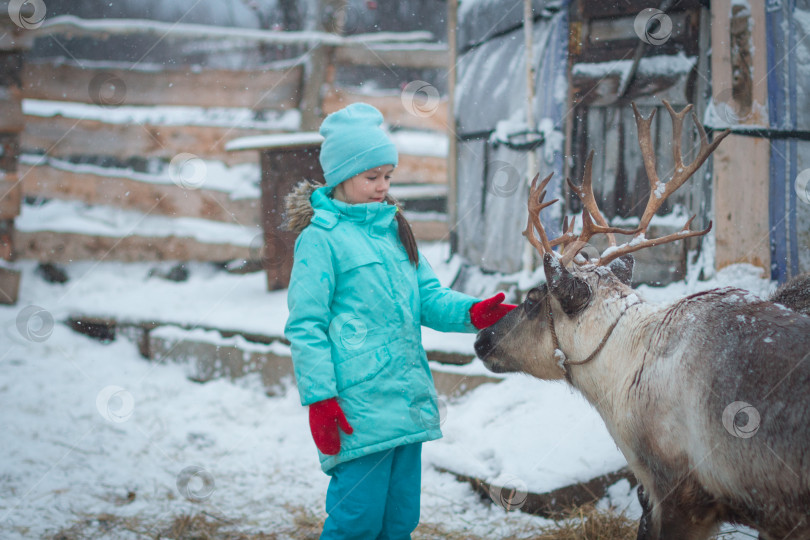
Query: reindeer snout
{"type": "Point", "coordinates": [484, 343]}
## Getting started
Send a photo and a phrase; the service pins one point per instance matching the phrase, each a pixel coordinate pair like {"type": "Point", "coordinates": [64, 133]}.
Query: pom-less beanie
{"type": "Point", "coordinates": [354, 142]}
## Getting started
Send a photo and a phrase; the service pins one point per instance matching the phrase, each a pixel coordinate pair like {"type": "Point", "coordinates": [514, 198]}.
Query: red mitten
{"type": "Point", "coordinates": [324, 419]}
{"type": "Point", "coordinates": [488, 312]}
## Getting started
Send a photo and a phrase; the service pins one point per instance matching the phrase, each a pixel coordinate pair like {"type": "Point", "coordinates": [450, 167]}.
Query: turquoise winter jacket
{"type": "Point", "coordinates": [356, 308]}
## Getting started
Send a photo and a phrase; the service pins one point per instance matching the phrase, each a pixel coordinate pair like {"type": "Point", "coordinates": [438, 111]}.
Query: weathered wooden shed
{"type": "Point", "coordinates": [738, 63]}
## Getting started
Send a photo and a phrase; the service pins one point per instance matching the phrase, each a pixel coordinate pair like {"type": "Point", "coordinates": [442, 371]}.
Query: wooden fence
{"type": "Point", "coordinates": [120, 161]}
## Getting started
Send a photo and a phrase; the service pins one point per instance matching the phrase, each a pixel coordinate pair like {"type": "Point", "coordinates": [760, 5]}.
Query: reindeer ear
{"type": "Point", "coordinates": [571, 292]}
{"type": "Point", "coordinates": [622, 268]}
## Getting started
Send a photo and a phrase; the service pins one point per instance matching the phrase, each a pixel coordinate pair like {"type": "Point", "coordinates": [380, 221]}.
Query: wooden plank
{"type": "Point", "coordinates": [49, 246]}
{"type": "Point", "coordinates": [392, 108]}
{"type": "Point", "coordinates": [601, 31]}
{"type": "Point", "coordinates": [12, 119]}
{"type": "Point", "coordinates": [9, 152]}
{"type": "Point", "coordinates": [282, 169]}
{"type": "Point", "coordinates": [555, 504]}
{"type": "Point", "coordinates": [452, 149]}
{"type": "Point", "coordinates": [312, 113]}
{"type": "Point", "coordinates": [64, 137]}
{"type": "Point", "coordinates": [611, 173]}
{"type": "Point", "coordinates": [420, 169]}
{"type": "Point", "coordinates": [7, 240]}
{"type": "Point", "coordinates": [595, 140]}
{"type": "Point", "coordinates": [430, 231]}
{"type": "Point", "coordinates": [421, 56]}
{"type": "Point", "coordinates": [10, 68]}
{"type": "Point", "coordinates": [98, 28]}
{"type": "Point", "coordinates": [634, 189]}
{"type": "Point", "coordinates": [741, 164]}
{"type": "Point", "coordinates": [10, 196]}
{"type": "Point", "coordinates": [596, 9]}
{"type": "Point", "coordinates": [602, 91]}
{"type": "Point", "coordinates": [9, 285]}
{"type": "Point", "coordinates": [131, 194]}
{"type": "Point", "coordinates": [256, 89]}
{"type": "Point", "coordinates": [12, 37]}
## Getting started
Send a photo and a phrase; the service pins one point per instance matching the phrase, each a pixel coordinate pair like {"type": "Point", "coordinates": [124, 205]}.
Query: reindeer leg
{"type": "Point", "coordinates": [679, 522]}
{"type": "Point", "coordinates": [645, 529]}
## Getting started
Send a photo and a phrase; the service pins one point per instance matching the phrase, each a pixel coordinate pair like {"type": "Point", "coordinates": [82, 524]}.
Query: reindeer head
{"type": "Point", "coordinates": [584, 304]}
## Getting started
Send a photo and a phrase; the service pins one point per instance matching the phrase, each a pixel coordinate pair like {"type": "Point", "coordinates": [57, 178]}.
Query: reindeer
{"type": "Point", "coordinates": [708, 399]}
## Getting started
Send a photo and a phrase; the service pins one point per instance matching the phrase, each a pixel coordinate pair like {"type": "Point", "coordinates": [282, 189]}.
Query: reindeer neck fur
{"type": "Point", "coordinates": [618, 321]}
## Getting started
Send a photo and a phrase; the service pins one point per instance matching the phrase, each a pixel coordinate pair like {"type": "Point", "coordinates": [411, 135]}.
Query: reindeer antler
{"type": "Point", "coordinates": [593, 222]}
{"type": "Point", "coordinates": [536, 196]}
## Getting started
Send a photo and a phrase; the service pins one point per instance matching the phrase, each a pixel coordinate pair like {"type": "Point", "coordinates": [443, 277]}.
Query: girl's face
{"type": "Point", "coordinates": [368, 186]}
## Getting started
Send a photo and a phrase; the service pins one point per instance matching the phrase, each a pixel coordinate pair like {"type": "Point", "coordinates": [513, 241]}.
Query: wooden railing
{"type": "Point", "coordinates": [108, 141]}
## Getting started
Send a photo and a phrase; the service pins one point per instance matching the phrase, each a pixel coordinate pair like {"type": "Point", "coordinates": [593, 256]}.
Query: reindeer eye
{"type": "Point", "coordinates": [533, 299]}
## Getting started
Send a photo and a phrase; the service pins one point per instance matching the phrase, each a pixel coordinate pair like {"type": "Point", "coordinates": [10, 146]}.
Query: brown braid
{"type": "Point", "coordinates": [407, 239]}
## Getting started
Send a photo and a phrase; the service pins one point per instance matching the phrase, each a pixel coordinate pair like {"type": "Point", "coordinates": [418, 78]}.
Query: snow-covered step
{"type": "Point", "coordinates": [62, 231]}
{"type": "Point", "coordinates": [560, 455]}
{"type": "Point", "coordinates": [208, 355]}
{"type": "Point", "coordinates": [555, 504]}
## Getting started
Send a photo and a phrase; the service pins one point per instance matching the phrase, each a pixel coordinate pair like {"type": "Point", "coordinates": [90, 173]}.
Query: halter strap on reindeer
{"type": "Point", "coordinates": [593, 222]}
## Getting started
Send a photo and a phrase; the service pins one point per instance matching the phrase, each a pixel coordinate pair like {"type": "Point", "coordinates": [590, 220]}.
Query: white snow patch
{"type": "Point", "coordinates": [166, 115]}
{"type": "Point", "coordinates": [77, 217]}
{"type": "Point", "coordinates": [662, 65]}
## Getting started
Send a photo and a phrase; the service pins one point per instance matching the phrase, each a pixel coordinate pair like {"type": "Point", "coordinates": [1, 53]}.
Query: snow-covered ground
{"type": "Point", "coordinates": [93, 428]}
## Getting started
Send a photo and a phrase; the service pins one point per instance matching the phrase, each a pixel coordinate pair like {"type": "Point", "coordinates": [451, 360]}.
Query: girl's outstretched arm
{"type": "Point", "coordinates": [443, 309]}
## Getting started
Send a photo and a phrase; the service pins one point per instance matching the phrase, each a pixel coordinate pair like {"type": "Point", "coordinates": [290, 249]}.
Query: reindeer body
{"type": "Point", "coordinates": [795, 294]}
{"type": "Point", "coordinates": [662, 383]}
{"type": "Point", "coordinates": [708, 399]}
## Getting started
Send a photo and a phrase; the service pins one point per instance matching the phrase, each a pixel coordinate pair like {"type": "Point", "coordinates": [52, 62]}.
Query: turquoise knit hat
{"type": "Point", "coordinates": [354, 142]}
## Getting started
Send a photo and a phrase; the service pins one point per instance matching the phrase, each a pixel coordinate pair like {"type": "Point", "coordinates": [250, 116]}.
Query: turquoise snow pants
{"type": "Point", "coordinates": [375, 496]}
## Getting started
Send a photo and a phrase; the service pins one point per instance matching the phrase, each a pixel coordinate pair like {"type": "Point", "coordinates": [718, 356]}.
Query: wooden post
{"type": "Point", "coordinates": [452, 148]}
{"type": "Point", "coordinates": [14, 41]}
{"type": "Point", "coordinates": [741, 164]}
{"type": "Point", "coordinates": [286, 160]}
{"type": "Point", "coordinates": [317, 72]}
{"type": "Point", "coordinates": [531, 157]}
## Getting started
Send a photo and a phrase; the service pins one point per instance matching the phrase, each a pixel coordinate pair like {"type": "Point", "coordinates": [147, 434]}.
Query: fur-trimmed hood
{"type": "Point", "coordinates": [298, 209]}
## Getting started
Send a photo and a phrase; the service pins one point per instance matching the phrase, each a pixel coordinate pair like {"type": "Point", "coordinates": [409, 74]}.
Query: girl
{"type": "Point", "coordinates": [359, 293]}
